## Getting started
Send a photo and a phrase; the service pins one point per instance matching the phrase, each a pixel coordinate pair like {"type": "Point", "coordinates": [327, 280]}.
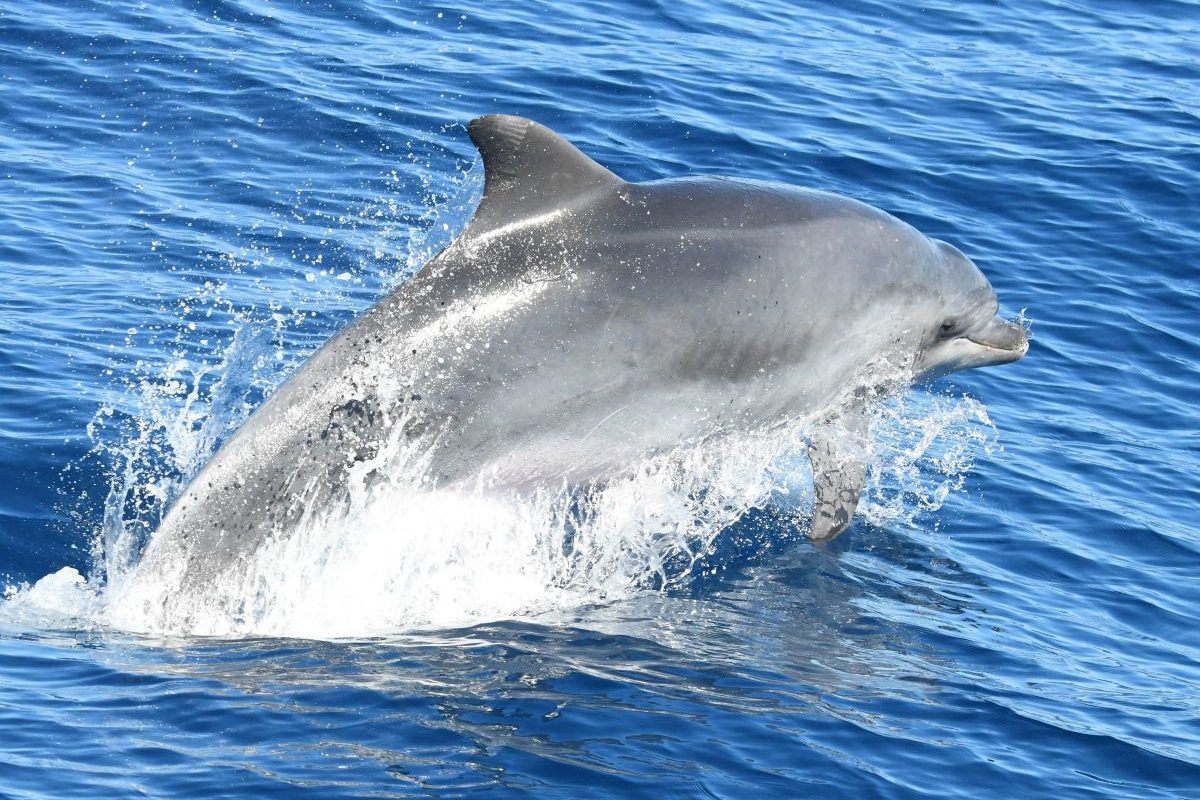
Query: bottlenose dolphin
{"type": "Point", "coordinates": [580, 322]}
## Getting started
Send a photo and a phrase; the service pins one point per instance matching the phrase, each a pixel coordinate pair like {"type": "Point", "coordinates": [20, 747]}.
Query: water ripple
{"type": "Point", "coordinates": [194, 195]}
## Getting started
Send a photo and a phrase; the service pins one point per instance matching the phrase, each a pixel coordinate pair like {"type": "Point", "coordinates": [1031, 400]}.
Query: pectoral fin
{"type": "Point", "coordinates": [839, 470]}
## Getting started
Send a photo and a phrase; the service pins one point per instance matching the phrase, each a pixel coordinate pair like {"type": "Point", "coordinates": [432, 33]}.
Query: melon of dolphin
{"type": "Point", "coordinates": [580, 322]}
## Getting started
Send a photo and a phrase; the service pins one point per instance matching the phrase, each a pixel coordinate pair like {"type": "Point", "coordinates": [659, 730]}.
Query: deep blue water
{"type": "Point", "coordinates": [222, 185]}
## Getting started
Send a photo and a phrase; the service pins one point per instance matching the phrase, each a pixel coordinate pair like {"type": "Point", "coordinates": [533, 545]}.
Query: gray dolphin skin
{"type": "Point", "coordinates": [581, 322]}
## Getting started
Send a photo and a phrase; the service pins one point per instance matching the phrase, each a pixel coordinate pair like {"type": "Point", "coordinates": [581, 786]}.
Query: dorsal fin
{"type": "Point", "coordinates": [528, 170]}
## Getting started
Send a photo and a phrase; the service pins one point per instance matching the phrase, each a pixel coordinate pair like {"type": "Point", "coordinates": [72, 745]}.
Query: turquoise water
{"type": "Point", "coordinates": [194, 196]}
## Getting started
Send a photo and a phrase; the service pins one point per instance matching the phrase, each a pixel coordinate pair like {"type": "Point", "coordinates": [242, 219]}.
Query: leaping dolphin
{"type": "Point", "coordinates": [581, 321]}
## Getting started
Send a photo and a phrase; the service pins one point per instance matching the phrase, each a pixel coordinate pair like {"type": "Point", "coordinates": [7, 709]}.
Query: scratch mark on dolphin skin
{"type": "Point", "coordinates": [482, 310]}
{"type": "Point", "coordinates": [600, 424]}
{"type": "Point", "coordinates": [521, 224]}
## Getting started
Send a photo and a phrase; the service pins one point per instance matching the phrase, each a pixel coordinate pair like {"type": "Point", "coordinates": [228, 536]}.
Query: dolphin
{"type": "Point", "coordinates": [581, 321]}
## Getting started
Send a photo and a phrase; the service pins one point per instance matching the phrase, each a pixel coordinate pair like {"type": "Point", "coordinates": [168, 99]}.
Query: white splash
{"type": "Point", "coordinates": [399, 556]}
{"type": "Point", "coordinates": [61, 600]}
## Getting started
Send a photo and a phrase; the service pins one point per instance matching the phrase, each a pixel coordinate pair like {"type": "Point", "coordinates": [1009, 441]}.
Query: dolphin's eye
{"type": "Point", "coordinates": [949, 327]}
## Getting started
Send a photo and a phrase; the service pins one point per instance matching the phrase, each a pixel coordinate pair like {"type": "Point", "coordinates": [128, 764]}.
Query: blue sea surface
{"type": "Point", "coordinates": [196, 194]}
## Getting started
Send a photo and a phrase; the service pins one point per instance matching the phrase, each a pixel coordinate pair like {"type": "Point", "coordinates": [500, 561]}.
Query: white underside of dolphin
{"type": "Point", "coordinates": [581, 322]}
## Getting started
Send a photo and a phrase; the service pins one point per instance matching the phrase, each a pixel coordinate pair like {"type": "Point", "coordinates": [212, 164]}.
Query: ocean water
{"type": "Point", "coordinates": [195, 195]}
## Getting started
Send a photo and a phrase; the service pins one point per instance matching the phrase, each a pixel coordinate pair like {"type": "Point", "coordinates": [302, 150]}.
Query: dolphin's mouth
{"type": "Point", "coordinates": [1006, 340]}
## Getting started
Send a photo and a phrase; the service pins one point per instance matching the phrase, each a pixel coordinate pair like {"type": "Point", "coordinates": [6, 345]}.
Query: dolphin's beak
{"type": "Point", "coordinates": [1005, 341]}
